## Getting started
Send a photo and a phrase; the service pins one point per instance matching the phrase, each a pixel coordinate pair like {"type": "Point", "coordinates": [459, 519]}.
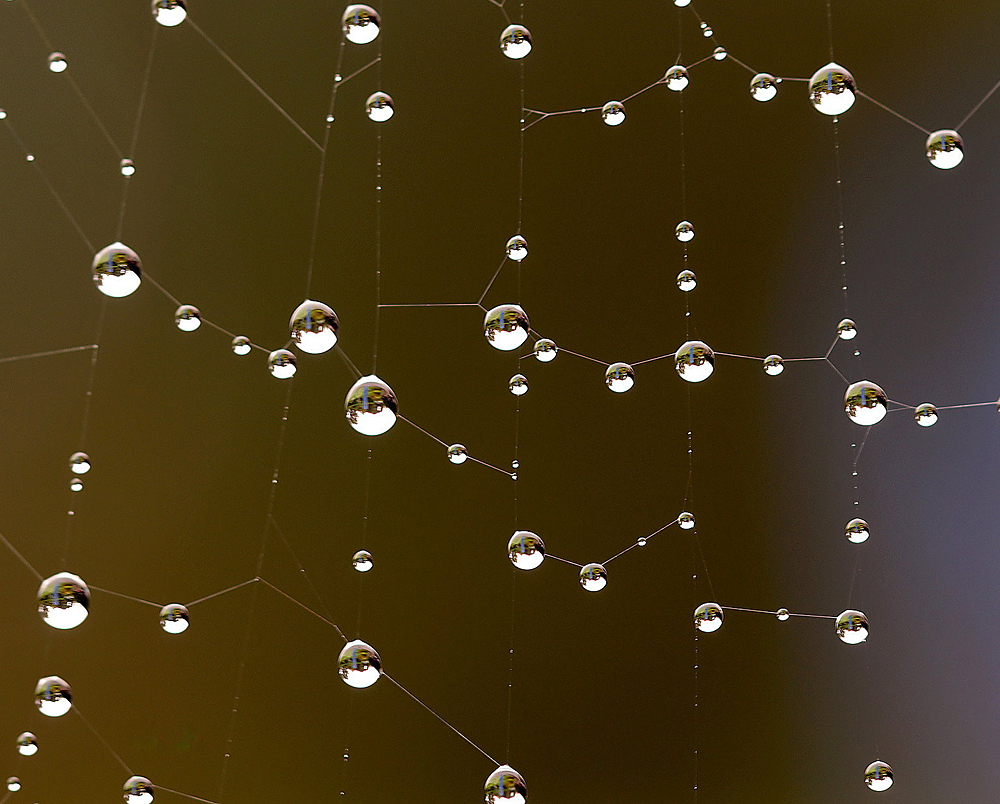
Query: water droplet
{"type": "Point", "coordinates": [708, 617]}
{"type": "Point", "coordinates": [313, 327]}
{"type": "Point", "coordinates": [763, 87]}
{"type": "Point", "coordinates": [30, 157]}
{"type": "Point", "coordinates": [515, 41]}
{"type": "Point", "coordinates": [457, 453]}
{"type": "Point", "coordinates": [359, 664]}
{"type": "Point", "coordinates": [694, 361]}
{"type": "Point", "coordinates": [360, 24]}
{"type": "Point", "coordinates": [708, 32]}
{"type": "Point", "coordinates": [545, 350]}
{"type": "Point", "coordinates": [76, 484]}
{"type": "Point", "coordinates": [174, 618]}
{"type": "Point", "coordinates": [517, 248]}
{"type": "Point", "coordinates": [878, 776]}
{"type": "Point", "coordinates": [241, 345]}
{"type": "Point", "coordinates": [593, 577]}
{"type": "Point", "coordinates": [362, 561]}
{"type": "Point", "coordinates": [620, 377]}
{"type": "Point", "coordinates": [613, 113]}
{"type": "Point", "coordinates": [169, 12]}
{"type": "Point", "coordinates": [515, 464]}
{"type": "Point", "coordinates": [865, 403]}
{"type": "Point", "coordinates": [676, 78]}
{"type": "Point", "coordinates": [687, 281]}
{"type": "Point", "coordinates": [117, 270]}
{"type": "Point", "coordinates": [127, 167]}
{"type": "Point", "coordinates": [281, 364]}
{"type": "Point", "coordinates": [138, 790]}
{"type": "Point", "coordinates": [379, 107]}
{"type": "Point", "coordinates": [505, 786]}
{"type": "Point", "coordinates": [13, 784]}
{"type": "Point", "coordinates": [27, 744]}
{"type": "Point", "coordinates": [782, 614]}
{"type": "Point", "coordinates": [685, 520]}
{"type": "Point", "coordinates": [857, 531]}
{"type": "Point", "coordinates": [945, 149]}
{"type": "Point", "coordinates": [57, 62]}
{"type": "Point", "coordinates": [719, 53]}
{"type": "Point", "coordinates": [831, 89]}
{"type": "Point", "coordinates": [925, 415]}
{"type": "Point", "coordinates": [79, 463]}
{"type": "Point", "coordinates": [682, 3]}
{"type": "Point", "coordinates": [852, 627]}
{"type": "Point", "coordinates": [329, 117]}
{"type": "Point", "coordinates": [846, 330]}
{"type": "Point", "coordinates": [506, 327]}
{"type": "Point", "coordinates": [371, 406]}
{"type": "Point", "coordinates": [526, 550]}
{"type": "Point", "coordinates": [53, 697]}
{"type": "Point", "coordinates": [773, 365]}
{"type": "Point", "coordinates": [3, 114]}
{"type": "Point", "coordinates": [518, 385]}
{"type": "Point", "coordinates": [187, 318]}
{"type": "Point", "coordinates": [642, 541]}
{"type": "Point", "coordinates": [63, 600]}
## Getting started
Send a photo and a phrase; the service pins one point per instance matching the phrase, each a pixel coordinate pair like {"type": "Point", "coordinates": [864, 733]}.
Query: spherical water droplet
{"type": "Point", "coordinates": [27, 744]}
{"type": "Point", "coordinates": [685, 520]}
{"type": "Point", "coordinates": [30, 157]}
{"type": "Point", "coordinates": [642, 541]}
{"type": "Point", "coordinates": [457, 453]}
{"type": "Point", "coordinates": [506, 327]}
{"type": "Point", "coordinates": [620, 377]}
{"type": "Point", "coordinates": [518, 385]}
{"type": "Point", "coordinates": [719, 53]}
{"type": "Point", "coordinates": [708, 32]}
{"type": "Point", "coordinates": [613, 113]}
{"type": "Point", "coordinates": [117, 270]}
{"type": "Point", "coordinates": [379, 107]}
{"type": "Point", "coordinates": [852, 627]}
{"type": "Point", "coordinates": [593, 577]}
{"type": "Point", "coordinates": [174, 618]}
{"type": "Point", "coordinates": [241, 345]}
{"type": "Point", "coordinates": [169, 12]}
{"type": "Point", "coordinates": [682, 3]}
{"type": "Point", "coordinates": [76, 484]}
{"type": "Point", "coordinates": [359, 664]}
{"type": "Point", "coordinates": [878, 776]}
{"type": "Point", "coordinates": [281, 364]}
{"type": "Point", "coordinates": [857, 531]}
{"type": "Point", "coordinates": [694, 361]}
{"type": "Point", "coordinates": [684, 231]}
{"type": "Point", "coordinates": [925, 415]}
{"type": "Point", "coordinates": [329, 117]}
{"type": "Point", "coordinates": [676, 78]}
{"type": "Point", "coordinates": [313, 327]}
{"type": "Point", "coordinates": [3, 114]}
{"type": "Point", "coordinates": [13, 784]}
{"type": "Point", "coordinates": [360, 24]}
{"type": "Point", "coordinates": [687, 281]}
{"type": "Point", "coordinates": [63, 600]}
{"type": "Point", "coordinates": [945, 149]}
{"type": "Point", "coordinates": [526, 550]}
{"type": "Point", "coordinates": [362, 561]}
{"type": "Point", "coordinates": [57, 62]}
{"type": "Point", "coordinates": [545, 350]}
{"type": "Point", "coordinates": [831, 89]}
{"type": "Point", "coordinates": [371, 406]}
{"type": "Point", "coordinates": [138, 790]}
{"type": "Point", "coordinates": [773, 365]}
{"type": "Point", "coordinates": [517, 248]}
{"type": "Point", "coordinates": [127, 167]}
{"type": "Point", "coordinates": [187, 318]}
{"type": "Point", "coordinates": [505, 786]}
{"type": "Point", "coordinates": [79, 463]}
{"type": "Point", "coordinates": [708, 617]}
{"type": "Point", "coordinates": [53, 697]}
{"type": "Point", "coordinates": [865, 403]}
{"type": "Point", "coordinates": [763, 87]}
{"type": "Point", "coordinates": [515, 464]}
{"type": "Point", "coordinates": [846, 330]}
{"type": "Point", "coordinates": [515, 42]}
{"type": "Point", "coordinates": [782, 614]}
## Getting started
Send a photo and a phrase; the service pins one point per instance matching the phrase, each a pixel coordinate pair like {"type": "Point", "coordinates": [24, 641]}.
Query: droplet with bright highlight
{"type": "Point", "coordinates": [685, 520]}
{"type": "Point", "coordinates": [878, 776]}
{"type": "Point", "coordinates": [174, 618]}
{"type": "Point", "coordinates": [719, 53]}
{"type": "Point", "coordinates": [359, 664]}
{"type": "Point", "coordinates": [857, 531]}
{"type": "Point", "coordinates": [27, 744]}
{"type": "Point", "coordinates": [782, 614]}
{"type": "Point", "coordinates": [117, 270]}
{"type": "Point", "coordinates": [458, 453]}
{"type": "Point", "coordinates": [682, 3]}
{"type": "Point", "coordinates": [13, 784]}
{"type": "Point", "coordinates": [708, 617]}
{"type": "Point", "coordinates": [526, 550]}
{"type": "Point", "coordinates": [515, 41]}
{"type": "Point", "coordinates": [545, 350]}
{"type": "Point", "coordinates": [506, 327]}
{"type": "Point", "coordinates": [684, 231]}
{"type": "Point", "coordinates": [63, 600]}
{"type": "Point", "coordinates": [505, 786]}
{"type": "Point", "coordinates": [694, 361]}
{"type": "Point", "coordinates": [613, 113]}
{"type": "Point", "coordinates": [852, 627]}
{"type": "Point", "coordinates": [518, 385]}
{"type": "Point", "coordinates": [831, 89]}
{"type": "Point", "coordinates": [620, 377]}
{"type": "Point", "coordinates": [371, 406]}
{"type": "Point", "coordinates": [945, 149]}
{"type": "Point", "coordinates": [362, 561]}
{"type": "Point", "coordinates": [242, 345]}
{"type": "Point", "coordinates": [281, 363]}
{"type": "Point", "coordinates": [379, 107]}
{"type": "Point", "coordinates": [707, 32]}
{"type": "Point", "coordinates": [76, 484]}
{"type": "Point", "coordinates": [847, 330]}
{"type": "Point", "coordinates": [169, 12]}
{"type": "Point", "coordinates": [127, 167]}
{"type": "Point", "coordinates": [866, 403]}
{"type": "Point", "coordinates": [138, 790]}
{"type": "Point", "coordinates": [687, 281]}
{"type": "Point", "coordinates": [926, 415]}
{"type": "Point", "coordinates": [773, 365]}
{"type": "Point", "coordinates": [517, 248]}
{"type": "Point", "coordinates": [79, 463]}
{"type": "Point", "coordinates": [313, 327]}
{"type": "Point", "coordinates": [360, 24]}
{"type": "Point", "coordinates": [676, 78]}
{"type": "Point", "coordinates": [187, 318]}
{"type": "Point", "coordinates": [763, 87]}
{"type": "Point", "coordinates": [57, 62]}
{"type": "Point", "coordinates": [53, 697]}
{"type": "Point", "coordinates": [593, 577]}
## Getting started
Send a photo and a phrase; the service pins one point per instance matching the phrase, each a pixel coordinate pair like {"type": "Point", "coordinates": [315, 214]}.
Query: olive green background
{"type": "Point", "coordinates": [183, 434]}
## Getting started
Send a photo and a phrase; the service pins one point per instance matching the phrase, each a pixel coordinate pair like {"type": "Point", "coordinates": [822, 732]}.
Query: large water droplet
{"type": "Point", "coordinates": [379, 107]}
{"type": "Point", "coordinates": [506, 327]}
{"type": "Point", "coordinates": [515, 41]}
{"type": "Point", "coordinates": [138, 790]}
{"type": "Point", "coordinates": [360, 24]}
{"type": "Point", "coordinates": [174, 618]}
{"type": "Point", "coordinates": [169, 12]}
{"type": "Point", "coordinates": [945, 149]}
{"type": "Point", "coordinates": [281, 363]}
{"type": "Point", "coordinates": [852, 627]}
{"type": "Point", "coordinates": [878, 776]}
{"type": "Point", "coordinates": [63, 601]}
{"type": "Point", "coordinates": [694, 361]}
{"type": "Point", "coordinates": [359, 664]}
{"type": "Point", "coordinates": [53, 697]}
{"type": "Point", "coordinates": [613, 113]}
{"type": "Point", "coordinates": [831, 89]}
{"type": "Point", "coordinates": [505, 786]}
{"type": "Point", "coordinates": [708, 617]}
{"type": "Point", "coordinates": [27, 744]}
{"type": "Point", "coordinates": [526, 550]}
{"type": "Point", "coordinates": [187, 318]}
{"type": "Point", "coordinates": [676, 78]}
{"type": "Point", "coordinates": [866, 403]}
{"type": "Point", "coordinates": [763, 87]}
{"type": "Point", "coordinates": [117, 270]}
{"type": "Point", "coordinates": [313, 327]}
{"type": "Point", "coordinates": [593, 577]}
{"type": "Point", "coordinates": [620, 377]}
{"type": "Point", "coordinates": [371, 406]}
{"type": "Point", "coordinates": [57, 62]}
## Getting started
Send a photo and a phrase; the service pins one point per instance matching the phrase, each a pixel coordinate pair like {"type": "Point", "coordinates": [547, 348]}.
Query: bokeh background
{"type": "Point", "coordinates": [183, 434]}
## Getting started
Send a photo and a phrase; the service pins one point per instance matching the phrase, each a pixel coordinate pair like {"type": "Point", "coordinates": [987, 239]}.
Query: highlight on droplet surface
{"type": "Point", "coordinates": [63, 600]}
{"type": "Point", "coordinates": [174, 618]}
{"type": "Point", "coordinates": [117, 270]}
{"type": "Point", "coordinates": [13, 784]}
{"type": "Point", "coordinates": [526, 550]}
{"type": "Point", "coordinates": [359, 664]}
{"type": "Point", "coordinates": [57, 62]}
{"type": "Point", "coordinates": [169, 13]}
{"type": "Point", "coordinates": [371, 406]}
{"type": "Point", "coordinates": [127, 167]}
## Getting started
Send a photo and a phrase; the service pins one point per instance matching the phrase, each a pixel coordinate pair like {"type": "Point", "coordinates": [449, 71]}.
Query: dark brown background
{"type": "Point", "coordinates": [183, 433]}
